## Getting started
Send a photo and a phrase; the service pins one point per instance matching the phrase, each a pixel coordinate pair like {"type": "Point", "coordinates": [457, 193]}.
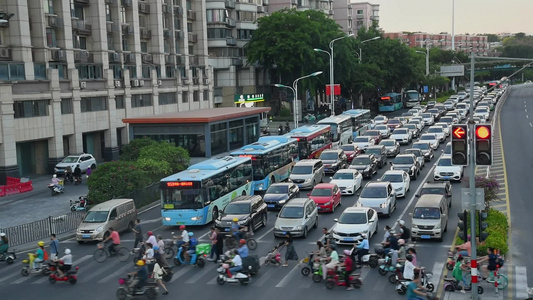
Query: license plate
{"type": "Point", "coordinates": [349, 239]}
{"type": "Point", "coordinates": [425, 236]}
{"type": "Point", "coordinates": [299, 185]}
{"type": "Point", "coordinates": [271, 205]}
{"type": "Point", "coordinates": [86, 236]}
{"type": "Point", "coordinates": [447, 177]}
{"type": "Point", "coordinates": [226, 229]}
{"type": "Point", "coordinates": [284, 232]}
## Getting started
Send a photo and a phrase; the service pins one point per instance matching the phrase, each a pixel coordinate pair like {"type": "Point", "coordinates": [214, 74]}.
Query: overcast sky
{"type": "Point", "coordinates": [471, 16]}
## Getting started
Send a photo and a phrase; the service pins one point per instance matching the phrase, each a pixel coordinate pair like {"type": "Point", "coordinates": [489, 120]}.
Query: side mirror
{"type": "Point", "coordinates": [308, 194]}
{"type": "Point", "coordinates": [335, 220]}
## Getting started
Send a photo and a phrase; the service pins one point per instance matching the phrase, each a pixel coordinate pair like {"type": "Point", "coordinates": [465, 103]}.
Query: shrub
{"type": "Point", "coordinates": [131, 151]}
{"type": "Point", "coordinates": [284, 112]}
{"type": "Point", "coordinates": [177, 158]}
{"type": "Point", "coordinates": [497, 230]}
{"type": "Point", "coordinates": [491, 187]}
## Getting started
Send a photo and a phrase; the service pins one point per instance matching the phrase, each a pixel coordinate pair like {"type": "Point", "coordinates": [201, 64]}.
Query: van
{"type": "Point", "coordinates": [307, 173]}
{"type": "Point", "coordinates": [297, 217]}
{"type": "Point", "coordinates": [119, 214]}
{"type": "Point", "coordinates": [430, 217]}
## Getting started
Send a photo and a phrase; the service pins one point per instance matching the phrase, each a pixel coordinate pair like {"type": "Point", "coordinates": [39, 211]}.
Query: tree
{"type": "Point", "coordinates": [165, 156]}
{"type": "Point", "coordinates": [491, 38]}
{"type": "Point", "coordinates": [131, 151]}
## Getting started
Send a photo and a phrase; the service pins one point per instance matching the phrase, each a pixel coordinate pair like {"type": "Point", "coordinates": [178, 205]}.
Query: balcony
{"type": "Point", "coordinates": [55, 22]}
{"type": "Point", "coordinates": [112, 28]}
{"type": "Point", "coordinates": [166, 33]}
{"type": "Point", "coordinates": [237, 62]}
{"type": "Point", "coordinates": [59, 55]}
{"type": "Point", "coordinates": [231, 42]}
{"type": "Point", "coordinates": [193, 37]}
{"type": "Point", "coordinates": [144, 8]}
{"type": "Point", "coordinates": [261, 9]}
{"type": "Point", "coordinates": [178, 11]}
{"type": "Point", "coordinates": [231, 23]}
{"type": "Point", "coordinates": [82, 56]}
{"type": "Point", "coordinates": [5, 54]}
{"type": "Point", "coordinates": [82, 2]}
{"type": "Point", "coordinates": [146, 34]}
{"type": "Point", "coordinates": [127, 3]}
{"type": "Point", "coordinates": [191, 15]}
{"type": "Point", "coordinates": [229, 3]}
{"type": "Point", "coordinates": [81, 27]}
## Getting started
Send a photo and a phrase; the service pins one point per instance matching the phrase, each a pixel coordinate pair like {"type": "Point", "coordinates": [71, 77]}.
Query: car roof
{"type": "Point", "coordinates": [394, 172]}
{"type": "Point", "coordinates": [107, 205]}
{"type": "Point", "coordinates": [247, 198]}
{"type": "Point", "coordinates": [380, 184]}
{"type": "Point", "coordinates": [324, 186]}
{"type": "Point", "coordinates": [405, 155]}
{"type": "Point", "coordinates": [374, 146]}
{"type": "Point", "coordinates": [332, 150]}
{"type": "Point", "coordinates": [282, 184]}
{"type": "Point", "coordinates": [298, 202]}
{"type": "Point", "coordinates": [307, 162]}
{"type": "Point", "coordinates": [413, 149]}
{"type": "Point", "coordinates": [429, 200]}
{"type": "Point", "coordinates": [346, 171]}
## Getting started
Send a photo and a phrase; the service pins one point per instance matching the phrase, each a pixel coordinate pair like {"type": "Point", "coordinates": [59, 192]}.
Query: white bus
{"type": "Point", "coordinates": [411, 98]}
{"type": "Point", "coordinates": [341, 129]}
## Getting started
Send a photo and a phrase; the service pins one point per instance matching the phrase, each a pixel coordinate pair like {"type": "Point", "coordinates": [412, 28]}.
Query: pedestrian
{"type": "Point", "coordinates": [219, 245]}
{"type": "Point", "coordinates": [161, 251]}
{"type": "Point", "coordinates": [213, 238]}
{"type": "Point", "coordinates": [158, 274]}
{"type": "Point", "coordinates": [138, 233]}
{"type": "Point", "coordinates": [291, 252]}
{"type": "Point", "coordinates": [54, 247]}
{"type": "Point", "coordinates": [89, 172]}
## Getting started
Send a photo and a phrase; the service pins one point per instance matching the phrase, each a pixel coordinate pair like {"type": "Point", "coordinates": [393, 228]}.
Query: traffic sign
{"type": "Point", "coordinates": [460, 145]}
{"type": "Point", "coordinates": [480, 199]}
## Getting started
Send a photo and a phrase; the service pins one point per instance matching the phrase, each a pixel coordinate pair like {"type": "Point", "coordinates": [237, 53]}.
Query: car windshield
{"type": "Point", "coordinates": [427, 116]}
{"type": "Point", "coordinates": [435, 130]}
{"type": "Point", "coordinates": [481, 110]}
{"type": "Point", "coordinates": [426, 213]}
{"type": "Point", "coordinates": [448, 149]}
{"type": "Point", "coordinates": [394, 121]}
{"type": "Point", "coordinates": [403, 160]}
{"type": "Point", "coordinates": [98, 216]}
{"type": "Point", "coordinates": [392, 178]}
{"type": "Point", "coordinates": [381, 127]}
{"type": "Point", "coordinates": [291, 212]}
{"type": "Point", "coordinates": [446, 120]}
{"type": "Point", "coordinates": [388, 143]}
{"type": "Point", "coordinates": [348, 147]}
{"type": "Point", "coordinates": [427, 137]}
{"type": "Point", "coordinates": [445, 162]}
{"type": "Point", "coordinates": [433, 191]}
{"type": "Point", "coordinates": [321, 192]}
{"type": "Point", "coordinates": [433, 111]}
{"type": "Point", "coordinates": [70, 159]}
{"type": "Point", "coordinates": [353, 218]}
{"type": "Point", "coordinates": [400, 131]}
{"type": "Point", "coordinates": [237, 209]}
{"type": "Point", "coordinates": [374, 192]}
{"type": "Point", "coordinates": [343, 175]}
{"type": "Point", "coordinates": [375, 151]}
{"type": "Point", "coordinates": [421, 146]}
{"type": "Point", "coordinates": [278, 189]}
{"type": "Point", "coordinates": [379, 119]}
{"type": "Point", "coordinates": [372, 132]}
{"type": "Point", "coordinates": [361, 161]}
{"type": "Point", "coordinates": [361, 139]}
{"type": "Point", "coordinates": [299, 170]}
{"type": "Point", "coordinates": [329, 156]}
{"type": "Point", "coordinates": [410, 126]}
{"type": "Point", "coordinates": [412, 151]}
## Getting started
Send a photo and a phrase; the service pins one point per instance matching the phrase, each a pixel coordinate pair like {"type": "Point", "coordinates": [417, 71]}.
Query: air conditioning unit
{"type": "Point", "coordinates": [159, 82]}
{"type": "Point", "coordinates": [77, 55]}
{"type": "Point", "coordinates": [206, 81]}
{"type": "Point", "coordinates": [115, 57]}
{"type": "Point", "coordinates": [83, 84]}
{"type": "Point", "coordinates": [218, 99]}
{"type": "Point", "coordinates": [147, 57]}
{"type": "Point", "coordinates": [141, 82]}
{"type": "Point", "coordinates": [118, 83]}
{"type": "Point", "coordinates": [5, 53]}
{"type": "Point", "coordinates": [135, 83]}
{"type": "Point", "coordinates": [59, 55]}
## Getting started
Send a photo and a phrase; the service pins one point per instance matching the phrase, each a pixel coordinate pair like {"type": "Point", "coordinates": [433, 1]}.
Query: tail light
{"type": "Point", "coordinates": [121, 281]}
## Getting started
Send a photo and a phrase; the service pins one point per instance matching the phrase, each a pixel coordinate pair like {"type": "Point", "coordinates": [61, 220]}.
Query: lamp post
{"type": "Point", "coordinates": [294, 89]}
{"type": "Point", "coordinates": [331, 74]}
{"type": "Point", "coordinates": [427, 59]}
{"type": "Point", "coordinates": [361, 51]}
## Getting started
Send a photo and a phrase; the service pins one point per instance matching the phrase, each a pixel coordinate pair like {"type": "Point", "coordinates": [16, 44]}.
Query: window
{"type": "Point", "coordinates": [89, 71]}
{"type": "Point", "coordinates": [93, 104]}
{"type": "Point", "coordinates": [12, 72]}
{"type": "Point", "coordinates": [359, 11]}
{"type": "Point", "coordinates": [49, 7]}
{"type": "Point", "coordinates": [123, 15]}
{"type": "Point", "coordinates": [119, 102]}
{"type": "Point", "coordinates": [124, 43]}
{"type": "Point", "coordinates": [218, 33]}
{"type": "Point", "coordinates": [216, 15]}
{"type": "Point", "coordinates": [51, 37]}
{"type": "Point", "coordinates": [66, 106]}
{"type": "Point", "coordinates": [146, 71]}
{"type": "Point", "coordinates": [40, 71]}
{"type": "Point", "coordinates": [29, 109]}
{"type": "Point", "coordinates": [167, 98]}
{"type": "Point", "coordinates": [185, 97]}
{"type": "Point", "coordinates": [244, 34]}
{"type": "Point", "coordinates": [133, 71]}
{"type": "Point", "coordinates": [236, 134]}
{"type": "Point", "coordinates": [196, 96]}
{"type": "Point", "coordinates": [62, 69]}
{"type": "Point", "coordinates": [189, 27]}
{"type": "Point", "coordinates": [206, 95]}
{"type": "Point", "coordinates": [142, 21]}
{"type": "Point", "coordinates": [170, 72]}
{"type": "Point", "coordinates": [246, 16]}
{"type": "Point", "coordinates": [141, 100]}
{"type": "Point", "coordinates": [219, 138]}
{"type": "Point", "coordinates": [108, 13]}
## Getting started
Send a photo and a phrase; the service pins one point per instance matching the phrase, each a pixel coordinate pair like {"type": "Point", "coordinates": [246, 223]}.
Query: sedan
{"type": "Point", "coordinates": [439, 132]}
{"type": "Point", "coordinates": [426, 149]}
{"type": "Point", "coordinates": [407, 163]}
{"type": "Point", "coordinates": [374, 134]}
{"type": "Point", "coordinates": [431, 104]}
{"type": "Point", "coordinates": [362, 142]}
{"type": "Point", "coordinates": [418, 154]}
{"type": "Point", "coordinates": [447, 149]}
{"type": "Point", "coordinates": [380, 196]}
{"type": "Point", "coordinates": [402, 136]}
{"type": "Point", "coordinates": [429, 119]}
{"type": "Point", "coordinates": [415, 111]}
{"type": "Point", "coordinates": [419, 125]}
{"type": "Point", "coordinates": [446, 127]}
{"type": "Point", "coordinates": [394, 123]}
{"type": "Point", "coordinates": [392, 147]}
{"type": "Point", "coordinates": [348, 181]}
{"type": "Point", "coordinates": [384, 130]}
{"type": "Point", "coordinates": [448, 120]}
{"type": "Point", "coordinates": [366, 164]}
{"type": "Point", "coordinates": [414, 129]}
{"type": "Point", "coordinates": [431, 138]}
{"type": "Point", "coordinates": [444, 170]}
{"type": "Point", "coordinates": [400, 181]}
{"type": "Point", "coordinates": [380, 120]}
{"type": "Point", "coordinates": [482, 112]}
{"type": "Point", "coordinates": [327, 196]}
{"type": "Point", "coordinates": [280, 193]}
{"type": "Point", "coordinates": [353, 222]}
{"type": "Point", "coordinates": [351, 151]}
{"type": "Point", "coordinates": [449, 105]}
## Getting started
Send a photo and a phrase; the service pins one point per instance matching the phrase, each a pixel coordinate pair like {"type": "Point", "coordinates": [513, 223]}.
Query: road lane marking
{"type": "Point", "coordinates": [120, 272]}
{"type": "Point", "coordinates": [265, 277]}
{"type": "Point", "coordinates": [527, 117]}
{"type": "Point", "coordinates": [95, 273]}
{"type": "Point", "coordinates": [199, 274]}
{"type": "Point", "coordinates": [521, 282]}
{"type": "Point", "coordinates": [5, 278]}
{"type": "Point", "coordinates": [438, 267]}
{"type": "Point", "coordinates": [180, 273]}
{"type": "Point", "coordinates": [530, 124]}
{"type": "Point", "coordinates": [283, 282]}
{"type": "Point", "coordinates": [74, 264]}
{"type": "Point", "coordinates": [262, 236]}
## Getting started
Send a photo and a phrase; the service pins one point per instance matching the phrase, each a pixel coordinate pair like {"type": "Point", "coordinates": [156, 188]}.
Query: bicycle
{"type": "Point", "coordinates": [102, 253]}
{"type": "Point", "coordinates": [501, 282]}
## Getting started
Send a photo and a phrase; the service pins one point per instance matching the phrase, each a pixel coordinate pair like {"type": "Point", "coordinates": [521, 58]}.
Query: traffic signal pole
{"type": "Point", "coordinates": [472, 182]}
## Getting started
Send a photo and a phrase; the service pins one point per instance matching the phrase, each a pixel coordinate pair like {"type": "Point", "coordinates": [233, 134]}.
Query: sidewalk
{"type": "Point", "coordinates": [457, 295]}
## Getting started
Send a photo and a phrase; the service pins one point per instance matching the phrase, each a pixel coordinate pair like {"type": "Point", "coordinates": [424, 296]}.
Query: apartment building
{"type": "Point", "coordinates": [479, 44]}
{"type": "Point", "coordinates": [71, 70]}
{"type": "Point", "coordinates": [364, 15]}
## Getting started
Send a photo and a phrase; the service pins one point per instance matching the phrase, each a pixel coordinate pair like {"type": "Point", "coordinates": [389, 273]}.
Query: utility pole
{"type": "Point", "coordinates": [453, 37]}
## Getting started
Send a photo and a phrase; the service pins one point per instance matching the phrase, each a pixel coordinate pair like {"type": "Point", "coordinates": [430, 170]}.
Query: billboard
{"type": "Point", "coordinates": [452, 71]}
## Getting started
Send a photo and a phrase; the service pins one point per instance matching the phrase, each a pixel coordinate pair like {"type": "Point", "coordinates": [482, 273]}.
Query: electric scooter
{"type": "Point", "coordinates": [226, 276]}
{"type": "Point", "coordinates": [42, 268]}
{"type": "Point", "coordinates": [196, 259]}
{"type": "Point", "coordinates": [71, 276]}
{"type": "Point", "coordinates": [8, 257]}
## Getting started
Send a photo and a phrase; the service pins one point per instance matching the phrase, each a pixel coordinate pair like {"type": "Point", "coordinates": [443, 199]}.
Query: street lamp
{"type": "Point", "coordinates": [294, 89]}
{"type": "Point", "coordinates": [331, 77]}
{"type": "Point", "coordinates": [427, 59]}
{"type": "Point", "coordinates": [360, 51]}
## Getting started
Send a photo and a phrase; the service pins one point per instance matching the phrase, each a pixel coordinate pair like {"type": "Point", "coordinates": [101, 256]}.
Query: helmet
{"type": "Point", "coordinates": [242, 241]}
{"type": "Point", "coordinates": [469, 237]}
{"type": "Point", "coordinates": [140, 262]}
{"type": "Point", "coordinates": [40, 244]}
{"type": "Point", "coordinates": [401, 222]}
{"type": "Point", "coordinates": [409, 257]}
{"type": "Point", "coordinates": [401, 242]}
{"type": "Point", "coordinates": [150, 233]}
{"type": "Point", "coordinates": [333, 246]}
{"type": "Point", "coordinates": [54, 176]}
{"type": "Point", "coordinates": [235, 220]}
{"type": "Point", "coordinates": [67, 251]}
{"type": "Point", "coordinates": [191, 233]}
{"type": "Point", "coordinates": [182, 227]}
{"type": "Point", "coordinates": [347, 252]}
{"type": "Point", "coordinates": [2, 234]}
{"type": "Point", "coordinates": [160, 236]}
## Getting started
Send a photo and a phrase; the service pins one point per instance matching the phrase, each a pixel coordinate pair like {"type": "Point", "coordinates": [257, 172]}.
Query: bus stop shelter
{"type": "Point", "coordinates": [204, 132]}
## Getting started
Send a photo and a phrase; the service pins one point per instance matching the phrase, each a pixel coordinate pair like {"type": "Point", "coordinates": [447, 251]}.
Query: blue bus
{"type": "Point", "coordinates": [390, 102]}
{"type": "Point", "coordinates": [195, 196]}
{"type": "Point", "coordinates": [272, 159]}
{"type": "Point", "coordinates": [361, 121]}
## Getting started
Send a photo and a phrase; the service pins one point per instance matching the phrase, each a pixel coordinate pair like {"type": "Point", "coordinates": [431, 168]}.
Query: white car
{"type": "Point", "coordinates": [348, 181]}
{"type": "Point", "coordinates": [400, 181]}
{"type": "Point", "coordinates": [449, 105]}
{"type": "Point", "coordinates": [449, 120]}
{"type": "Point", "coordinates": [415, 111]}
{"type": "Point", "coordinates": [482, 113]}
{"type": "Point", "coordinates": [462, 113]}
{"type": "Point", "coordinates": [430, 138]}
{"type": "Point", "coordinates": [462, 95]}
{"type": "Point", "coordinates": [444, 170]}
{"type": "Point", "coordinates": [352, 223]}
{"type": "Point", "coordinates": [419, 125]}
{"type": "Point", "coordinates": [85, 161]}
{"type": "Point", "coordinates": [447, 128]}
{"type": "Point", "coordinates": [363, 141]}
{"type": "Point", "coordinates": [464, 106]}
{"type": "Point", "coordinates": [378, 120]}
{"type": "Point", "coordinates": [428, 119]}
{"type": "Point", "coordinates": [384, 130]}
{"type": "Point", "coordinates": [439, 131]}
{"type": "Point", "coordinates": [447, 149]}
{"type": "Point", "coordinates": [402, 135]}
{"type": "Point", "coordinates": [380, 196]}
{"type": "Point", "coordinates": [413, 128]}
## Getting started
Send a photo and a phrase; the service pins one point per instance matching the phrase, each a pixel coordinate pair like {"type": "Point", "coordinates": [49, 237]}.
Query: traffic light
{"type": "Point", "coordinates": [482, 216]}
{"type": "Point", "coordinates": [483, 145]}
{"type": "Point", "coordinates": [460, 145]}
{"type": "Point", "coordinates": [463, 225]}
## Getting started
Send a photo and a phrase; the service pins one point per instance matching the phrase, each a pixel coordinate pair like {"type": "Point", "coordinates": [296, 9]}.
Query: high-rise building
{"type": "Point", "coordinates": [364, 15]}
{"type": "Point", "coordinates": [71, 70]}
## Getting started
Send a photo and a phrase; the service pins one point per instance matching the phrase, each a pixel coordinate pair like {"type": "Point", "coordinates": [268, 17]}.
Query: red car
{"type": "Point", "coordinates": [327, 196]}
{"type": "Point", "coordinates": [394, 123]}
{"type": "Point", "coordinates": [375, 134]}
{"type": "Point", "coordinates": [351, 151]}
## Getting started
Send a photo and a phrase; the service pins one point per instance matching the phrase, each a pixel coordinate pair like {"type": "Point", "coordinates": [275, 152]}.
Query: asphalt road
{"type": "Point", "coordinates": [100, 281]}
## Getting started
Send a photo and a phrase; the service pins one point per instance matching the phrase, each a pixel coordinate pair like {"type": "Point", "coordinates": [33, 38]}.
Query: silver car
{"type": "Point", "coordinates": [297, 217]}
{"type": "Point", "coordinates": [307, 173]}
{"type": "Point", "coordinates": [380, 196]}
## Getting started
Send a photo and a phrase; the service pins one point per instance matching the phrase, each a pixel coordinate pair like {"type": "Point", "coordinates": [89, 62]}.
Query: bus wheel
{"type": "Point", "coordinates": [215, 213]}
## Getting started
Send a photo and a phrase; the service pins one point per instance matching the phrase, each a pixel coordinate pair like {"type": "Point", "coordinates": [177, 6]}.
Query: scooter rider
{"type": "Point", "coordinates": [405, 233]}
{"type": "Point", "coordinates": [192, 247]}
{"type": "Point", "coordinates": [55, 181]}
{"type": "Point", "coordinates": [237, 263]}
{"type": "Point", "coordinates": [183, 238]}
{"type": "Point", "coordinates": [243, 249]}
{"type": "Point", "coordinates": [151, 238]}
{"type": "Point", "coordinates": [362, 249]}
{"type": "Point", "coordinates": [391, 243]}
{"type": "Point", "coordinates": [67, 263]}
{"type": "Point", "coordinates": [236, 229]}
{"type": "Point", "coordinates": [4, 244]}
{"type": "Point", "coordinates": [77, 173]}
{"type": "Point", "coordinates": [38, 257]}
{"type": "Point", "coordinates": [141, 275]}
{"type": "Point", "coordinates": [332, 261]}
{"type": "Point", "coordinates": [414, 289]}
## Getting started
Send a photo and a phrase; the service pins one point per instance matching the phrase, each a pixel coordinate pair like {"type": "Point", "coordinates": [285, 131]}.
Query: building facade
{"type": "Point", "coordinates": [364, 15]}
{"type": "Point", "coordinates": [71, 70]}
{"type": "Point", "coordinates": [479, 44]}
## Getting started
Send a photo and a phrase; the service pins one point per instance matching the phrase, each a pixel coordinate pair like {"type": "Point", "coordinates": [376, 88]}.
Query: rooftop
{"type": "Point", "coordinates": [198, 116]}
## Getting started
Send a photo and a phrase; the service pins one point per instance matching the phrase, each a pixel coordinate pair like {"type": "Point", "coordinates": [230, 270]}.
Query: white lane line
{"type": "Point", "coordinates": [530, 124]}
{"type": "Point", "coordinates": [120, 272]}
{"type": "Point", "coordinates": [262, 236]}
{"type": "Point", "coordinates": [283, 282]}
{"type": "Point", "coordinates": [521, 282]}
{"type": "Point", "coordinates": [199, 275]}
{"type": "Point", "coordinates": [527, 117]}
{"type": "Point", "coordinates": [21, 280]}
{"type": "Point", "coordinates": [74, 264]}
{"type": "Point", "coordinates": [213, 281]}
{"type": "Point", "coordinates": [180, 273]}
{"type": "Point", "coordinates": [152, 221]}
{"type": "Point", "coordinates": [525, 110]}
{"type": "Point", "coordinates": [5, 278]}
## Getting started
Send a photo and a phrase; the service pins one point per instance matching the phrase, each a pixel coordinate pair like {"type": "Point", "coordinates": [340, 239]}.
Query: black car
{"type": "Point", "coordinates": [407, 163]}
{"type": "Point", "coordinates": [366, 164]}
{"type": "Point", "coordinates": [280, 193]}
{"type": "Point", "coordinates": [333, 160]}
{"type": "Point", "coordinates": [379, 152]}
{"type": "Point", "coordinates": [438, 188]}
{"type": "Point", "coordinates": [251, 211]}
{"type": "Point", "coordinates": [427, 151]}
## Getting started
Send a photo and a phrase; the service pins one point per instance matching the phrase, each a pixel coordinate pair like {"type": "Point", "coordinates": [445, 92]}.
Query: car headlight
{"type": "Point", "coordinates": [168, 219]}
{"type": "Point", "coordinates": [307, 180]}
{"type": "Point", "coordinates": [99, 229]}
{"type": "Point", "coordinates": [334, 231]}
{"type": "Point", "coordinates": [437, 226]}
{"type": "Point", "coordinates": [244, 221]}
{"type": "Point", "coordinates": [327, 203]}
{"type": "Point", "coordinates": [334, 165]}
{"type": "Point", "coordinates": [367, 169]}
{"type": "Point", "coordinates": [282, 201]}
{"type": "Point", "coordinates": [300, 227]}
{"type": "Point", "coordinates": [276, 227]}
{"type": "Point", "coordinates": [457, 173]}
{"type": "Point", "coordinates": [414, 226]}
{"type": "Point", "coordinates": [383, 205]}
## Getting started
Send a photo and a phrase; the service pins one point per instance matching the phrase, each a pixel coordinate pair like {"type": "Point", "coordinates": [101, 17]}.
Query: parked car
{"type": "Point", "coordinates": [297, 217]}
{"type": "Point", "coordinates": [379, 152]}
{"type": "Point", "coordinates": [351, 150]}
{"type": "Point", "coordinates": [348, 181]}
{"type": "Point", "coordinates": [353, 222]}
{"type": "Point", "coordinates": [426, 149]}
{"type": "Point", "coordinates": [84, 160]}
{"type": "Point", "coordinates": [366, 164]}
{"type": "Point", "coordinates": [392, 147]}
{"type": "Point", "coordinates": [333, 160]}
{"type": "Point", "coordinates": [379, 196]}
{"type": "Point", "coordinates": [307, 173]}
{"type": "Point", "coordinates": [402, 136]}
{"type": "Point", "coordinates": [407, 163]}
{"type": "Point", "coordinates": [280, 193]}
{"type": "Point", "coordinates": [251, 211]}
{"type": "Point", "coordinates": [400, 181]}
{"type": "Point", "coordinates": [445, 170]}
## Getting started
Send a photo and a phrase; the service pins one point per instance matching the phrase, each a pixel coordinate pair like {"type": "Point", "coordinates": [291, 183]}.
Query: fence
{"type": "Point", "coordinates": [42, 229]}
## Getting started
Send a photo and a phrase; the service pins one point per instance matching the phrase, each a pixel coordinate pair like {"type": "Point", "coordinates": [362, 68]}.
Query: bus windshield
{"type": "Point", "coordinates": [412, 96]}
{"type": "Point", "coordinates": [182, 198]}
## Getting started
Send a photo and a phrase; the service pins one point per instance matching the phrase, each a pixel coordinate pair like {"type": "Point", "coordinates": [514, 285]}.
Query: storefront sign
{"type": "Point", "coordinates": [246, 98]}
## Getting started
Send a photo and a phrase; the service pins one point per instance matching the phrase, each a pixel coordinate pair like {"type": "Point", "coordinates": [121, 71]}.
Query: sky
{"type": "Point", "coordinates": [471, 16]}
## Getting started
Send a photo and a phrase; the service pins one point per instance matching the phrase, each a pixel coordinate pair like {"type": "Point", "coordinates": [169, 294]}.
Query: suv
{"type": "Point", "coordinates": [380, 153]}
{"type": "Point", "coordinates": [307, 173]}
{"type": "Point", "coordinates": [250, 210]}
{"type": "Point", "coordinates": [443, 188]}
{"type": "Point", "coordinates": [84, 160]}
{"type": "Point", "coordinates": [333, 160]}
{"type": "Point", "coordinates": [380, 196]}
{"type": "Point", "coordinates": [408, 163]}
{"type": "Point", "coordinates": [296, 218]}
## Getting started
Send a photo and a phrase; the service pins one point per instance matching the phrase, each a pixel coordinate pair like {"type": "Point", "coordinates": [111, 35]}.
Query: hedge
{"type": "Point", "coordinates": [497, 230]}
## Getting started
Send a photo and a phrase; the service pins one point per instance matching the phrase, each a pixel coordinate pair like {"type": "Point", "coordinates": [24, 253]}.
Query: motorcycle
{"type": "Point", "coordinates": [370, 259]}
{"type": "Point", "coordinates": [224, 275]}
{"type": "Point", "coordinates": [150, 289]}
{"type": "Point", "coordinates": [56, 189]}
{"type": "Point", "coordinates": [336, 278]}
{"type": "Point", "coordinates": [265, 130]}
{"type": "Point", "coordinates": [401, 287]}
{"type": "Point", "coordinates": [81, 204]}
{"type": "Point", "coordinates": [42, 268]}
{"type": "Point", "coordinates": [68, 177]}
{"type": "Point", "coordinates": [77, 180]}
{"type": "Point", "coordinates": [196, 258]}
{"type": "Point", "coordinates": [231, 242]}
{"type": "Point", "coordinates": [451, 285]}
{"type": "Point", "coordinates": [385, 265]}
{"type": "Point", "coordinates": [8, 257]}
{"type": "Point", "coordinates": [71, 276]}
{"type": "Point", "coordinates": [280, 130]}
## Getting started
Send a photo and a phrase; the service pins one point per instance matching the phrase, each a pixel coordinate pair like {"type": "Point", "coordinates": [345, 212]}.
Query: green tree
{"type": "Point", "coordinates": [491, 38]}
{"type": "Point", "coordinates": [164, 155]}
{"type": "Point", "coordinates": [131, 151]}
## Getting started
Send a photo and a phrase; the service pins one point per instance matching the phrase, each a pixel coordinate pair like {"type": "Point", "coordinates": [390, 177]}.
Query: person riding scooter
{"type": "Point", "coordinates": [67, 263]}
{"type": "Point", "coordinates": [141, 275]}
{"type": "Point", "coordinates": [4, 244]}
{"type": "Point", "coordinates": [77, 174]}
{"type": "Point", "coordinates": [236, 229]}
{"type": "Point", "coordinates": [236, 261]}
{"type": "Point", "coordinates": [39, 256]}
{"type": "Point", "coordinates": [362, 249]}
{"type": "Point", "coordinates": [243, 249]}
{"type": "Point", "coordinates": [193, 242]}
{"type": "Point", "coordinates": [280, 129]}
{"type": "Point", "coordinates": [55, 182]}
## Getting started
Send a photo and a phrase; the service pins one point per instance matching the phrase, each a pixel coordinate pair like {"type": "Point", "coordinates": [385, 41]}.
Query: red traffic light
{"type": "Point", "coordinates": [459, 132]}
{"type": "Point", "coordinates": [483, 132]}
